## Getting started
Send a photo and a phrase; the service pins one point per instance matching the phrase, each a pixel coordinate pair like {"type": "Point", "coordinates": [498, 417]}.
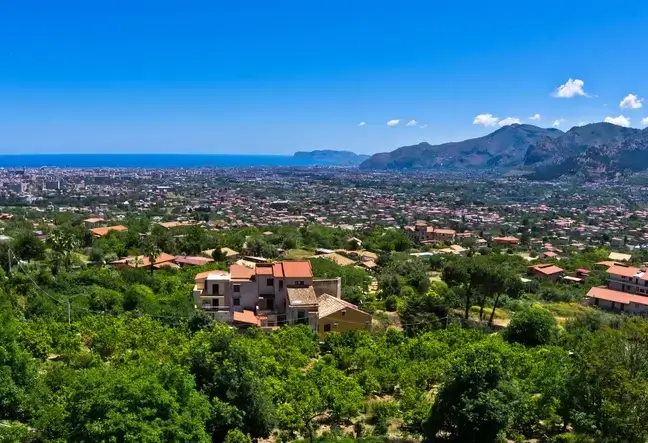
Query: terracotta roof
{"type": "Point", "coordinates": [445, 231]}
{"type": "Point", "coordinates": [174, 224]}
{"type": "Point", "coordinates": [94, 220]}
{"type": "Point", "coordinates": [302, 296]}
{"type": "Point", "coordinates": [329, 305]}
{"type": "Point", "coordinates": [547, 269]}
{"type": "Point", "coordinates": [297, 269]}
{"type": "Point", "coordinates": [624, 271]}
{"type": "Point", "coordinates": [607, 263]}
{"type": "Point", "coordinates": [167, 264]}
{"type": "Point", "coordinates": [102, 232]}
{"type": "Point", "coordinates": [240, 272]}
{"type": "Point", "coordinates": [205, 275]}
{"type": "Point", "coordinates": [143, 261]}
{"type": "Point", "coordinates": [616, 296]}
{"type": "Point", "coordinates": [195, 261]}
{"type": "Point", "coordinates": [277, 270]}
{"type": "Point", "coordinates": [246, 317]}
{"type": "Point", "coordinates": [264, 270]}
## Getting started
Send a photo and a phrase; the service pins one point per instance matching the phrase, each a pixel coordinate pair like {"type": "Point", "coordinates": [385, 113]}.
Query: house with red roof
{"type": "Point", "coordinates": [626, 291]}
{"type": "Point", "coordinates": [422, 233]}
{"type": "Point", "coordinates": [277, 293]}
{"type": "Point", "coordinates": [546, 271]}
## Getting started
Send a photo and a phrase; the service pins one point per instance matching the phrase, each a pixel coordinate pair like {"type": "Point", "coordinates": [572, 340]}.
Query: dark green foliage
{"type": "Point", "coordinates": [532, 326]}
{"type": "Point", "coordinates": [27, 247]}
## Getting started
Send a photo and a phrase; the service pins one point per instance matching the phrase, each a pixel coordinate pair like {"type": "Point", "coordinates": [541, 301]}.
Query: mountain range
{"type": "Point", "coordinates": [597, 150]}
{"type": "Point", "coordinates": [332, 157]}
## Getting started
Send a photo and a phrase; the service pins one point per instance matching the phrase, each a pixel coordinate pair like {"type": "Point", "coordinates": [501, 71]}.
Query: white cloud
{"type": "Point", "coordinates": [535, 117]}
{"type": "Point", "coordinates": [571, 88]}
{"type": "Point", "coordinates": [392, 123]}
{"type": "Point", "coordinates": [644, 121]}
{"type": "Point", "coordinates": [425, 126]}
{"type": "Point", "coordinates": [557, 123]}
{"type": "Point", "coordinates": [620, 121]}
{"type": "Point", "coordinates": [362, 124]}
{"type": "Point", "coordinates": [486, 120]}
{"type": "Point", "coordinates": [412, 123]}
{"type": "Point", "coordinates": [631, 102]}
{"type": "Point", "coordinates": [510, 121]}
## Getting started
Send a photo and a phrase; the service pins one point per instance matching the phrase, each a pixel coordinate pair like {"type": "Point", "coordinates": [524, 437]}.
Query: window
{"type": "Point", "coordinates": [271, 282]}
{"type": "Point", "coordinates": [236, 288]}
{"type": "Point", "coordinates": [270, 303]}
{"type": "Point", "coordinates": [280, 285]}
{"type": "Point", "coordinates": [301, 314]}
{"type": "Point", "coordinates": [215, 302]}
{"type": "Point", "coordinates": [327, 327]}
{"type": "Point", "coordinates": [335, 325]}
{"type": "Point", "coordinates": [236, 301]}
{"type": "Point", "coordinates": [343, 313]}
{"type": "Point", "coordinates": [299, 283]}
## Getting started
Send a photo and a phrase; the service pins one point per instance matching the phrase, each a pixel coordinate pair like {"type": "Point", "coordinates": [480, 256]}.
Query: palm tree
{"type": "Point", "coordinates": [63, 243]}
{"type": "Point", "coordinates": [150, 249]}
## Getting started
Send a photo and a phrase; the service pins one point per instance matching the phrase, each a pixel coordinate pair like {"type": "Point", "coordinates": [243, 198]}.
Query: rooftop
{"type": "Point", "coordinates": [329, 305]}
{"type": "Point", "coordinates": [302, 296]}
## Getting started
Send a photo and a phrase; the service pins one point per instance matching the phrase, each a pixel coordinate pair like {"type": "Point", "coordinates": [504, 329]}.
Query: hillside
{"type": "Point", "coordinates": [333, 157]}
{"type": "Point", "coordinates": [600, 160]}
{"type": "Point", "coordinates": [505, 147]}
{"type": "Point", "coordinates": [576, 141]}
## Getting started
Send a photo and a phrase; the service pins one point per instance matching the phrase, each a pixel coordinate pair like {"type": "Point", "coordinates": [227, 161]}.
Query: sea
{"type": "Point", "coordinates": [164, 161]}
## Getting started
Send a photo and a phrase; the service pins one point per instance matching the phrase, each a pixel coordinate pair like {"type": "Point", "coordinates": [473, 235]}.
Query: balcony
{"type": "Point", "coordinates": [204, 293]}
{"type": "Point", "coordinates": [212, 308]}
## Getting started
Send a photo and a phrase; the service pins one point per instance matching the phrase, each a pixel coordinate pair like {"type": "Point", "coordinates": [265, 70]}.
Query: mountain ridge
{"type": "Point", "coordinates": [505, 147]}
{"type": "Point", "coordinates": [593, 151]}
{"type": "Point", "coordinates": [337, 157]}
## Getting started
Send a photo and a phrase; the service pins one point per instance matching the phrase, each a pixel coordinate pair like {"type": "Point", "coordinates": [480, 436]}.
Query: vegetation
{"type": "Point", "coordinates": [89, 353]}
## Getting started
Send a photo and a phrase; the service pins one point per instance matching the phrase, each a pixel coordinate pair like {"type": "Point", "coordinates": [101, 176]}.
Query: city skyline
{"type": "Point", "coordinates": [367, 77]}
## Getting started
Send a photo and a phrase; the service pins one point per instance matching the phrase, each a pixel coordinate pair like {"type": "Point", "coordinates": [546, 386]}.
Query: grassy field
{"type": "Point", "coordinates": [298, 254]}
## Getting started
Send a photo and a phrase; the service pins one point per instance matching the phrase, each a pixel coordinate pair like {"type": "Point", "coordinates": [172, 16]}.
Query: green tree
{"type": "Point", "coordinates": [236, 436]}
{"type": "Point", "coordinates": [218, 255]}
{"type": "Point", "coordinates": [477, 402]}
{"type": "Point", "coordinates": [422, 313]}
{"type": "Point", "coordinates": [323, 391]}
{"type": "Point", "coordinates": [28, 247]}
{"type": "Point", "coordinates": [608, 386]}
{"type": "Point", "coordinates": [140, 402]}
{"type": "Point", "coordinates": [62, 242]}
{"type": "Point", "coordinates": [532, 326]}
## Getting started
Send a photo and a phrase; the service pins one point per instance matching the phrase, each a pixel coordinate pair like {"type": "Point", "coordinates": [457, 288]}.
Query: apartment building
{"type": "Point", "coordinates": [268, 294]}
{"type": "Point", "coordinates": [626, 291]}
{"type": "Point", "coordinates": [422, 233]}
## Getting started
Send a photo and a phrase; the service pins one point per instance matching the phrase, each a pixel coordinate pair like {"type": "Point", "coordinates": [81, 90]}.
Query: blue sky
{"type": "Point", "coordinates": [260, 77]}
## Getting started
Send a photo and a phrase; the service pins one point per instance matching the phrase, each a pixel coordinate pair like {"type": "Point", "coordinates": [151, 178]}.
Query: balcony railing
{"type": "Point", "coordinates": [208, 307]}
